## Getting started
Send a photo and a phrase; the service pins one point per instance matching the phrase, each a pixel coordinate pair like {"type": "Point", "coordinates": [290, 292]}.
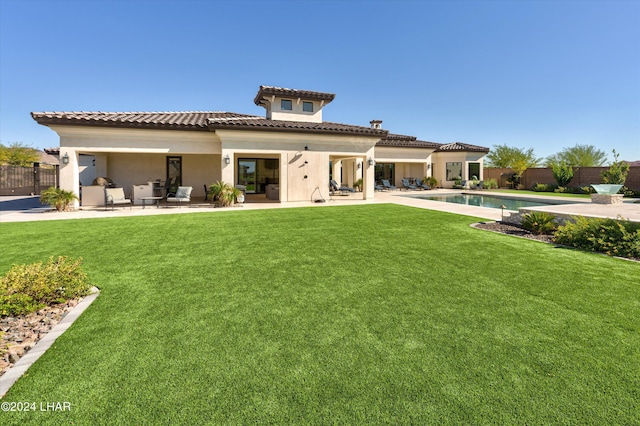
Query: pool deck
{"type": "Point", "coordinates": [27, 209]}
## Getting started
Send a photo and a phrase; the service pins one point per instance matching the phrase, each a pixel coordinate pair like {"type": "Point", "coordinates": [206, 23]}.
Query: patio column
{"type": "Point", "coordinates": [70, 173]}
{"type": "Point", "coordinates": [228, 170]}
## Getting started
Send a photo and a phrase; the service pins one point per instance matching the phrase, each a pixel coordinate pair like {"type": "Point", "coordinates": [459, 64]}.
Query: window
{"type": "Point", "coordinates": [474, 171]}
{"type": "Point", "coordinates": [307, 106]}
{"type": "Point", "coordinates": [454, 171]}
{"type": "Point", "coordinates": [385, 171]}
{"type": "Point", "coordinates": [286, 105]}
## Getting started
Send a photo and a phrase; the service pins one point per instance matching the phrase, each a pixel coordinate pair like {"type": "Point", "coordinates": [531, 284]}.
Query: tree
{"type": "Point", "coordinates": [562, 173]}
{"type": "Point", "coordinates": [617, 172]}
{"type": "Point", "coordinates": [507, 156]}
{"type": "Point", "coordinates": [18, 154]}
{"type": "Point", "coordinates": [578, 156]}
{"type": "Point", "coordinates": [517, 159]}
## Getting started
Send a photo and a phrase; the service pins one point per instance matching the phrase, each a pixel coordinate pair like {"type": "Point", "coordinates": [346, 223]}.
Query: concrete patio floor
{"type": "Point", "coordinates": [25, 209]}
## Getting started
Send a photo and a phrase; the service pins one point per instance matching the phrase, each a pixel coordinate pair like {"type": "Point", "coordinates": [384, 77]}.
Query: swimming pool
{"type": "Point", "coordinates": [490, 201]}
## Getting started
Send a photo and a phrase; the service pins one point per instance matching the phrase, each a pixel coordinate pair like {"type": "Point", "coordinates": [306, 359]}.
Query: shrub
{"type": "Point", "coordinates": [614, 237]}
{"type": "Point", "coordinates": [562, 173]}
{"type": "Point", "coordinates": [491, 183]}
{"type": "Point", "coordinates": [617, 172]}
{"type": "Point", "coordinates": [539, 222]}
{"type": "Point", "coordinates": [27, 288]}
{"type": "Point", "coordinates": [224, 193]}
{"type": "Point", "coordinates": [544, 187]}
{"type": "Point", "coordinates": [431, 181]}
{"type": "Point", "coordinates": [58, 198]}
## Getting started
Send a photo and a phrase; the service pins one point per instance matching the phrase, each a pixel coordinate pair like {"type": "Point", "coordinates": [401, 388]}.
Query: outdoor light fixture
{"type": "Point", "coordinates": [502, 207]}
{"type": "Point", "coordinates": [227, 159]}
{"type": "Point", "coordinates": [306, 147]}
{"type": "Point", "coordinates": [370, 161]}
{"type": "Point", "coordinates": [306, 162]}
{"type": "Point", "coordinates": [65, 158]}
{"type": "Point", "coordinates": [428, 166]}
{"type": "Point", "coordinates": [359, 165]}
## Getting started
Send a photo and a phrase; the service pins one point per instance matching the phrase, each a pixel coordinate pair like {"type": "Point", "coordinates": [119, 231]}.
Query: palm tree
{"type": "Point", "coordinates": [59, 198]}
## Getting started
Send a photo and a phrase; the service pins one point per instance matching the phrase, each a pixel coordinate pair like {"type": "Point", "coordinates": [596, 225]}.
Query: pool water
{"type": "Point", "coordinates": [487, 201]}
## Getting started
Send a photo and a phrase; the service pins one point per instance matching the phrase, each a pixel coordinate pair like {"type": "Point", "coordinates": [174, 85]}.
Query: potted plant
{"type": "Point", "coordinates": [357, 185]}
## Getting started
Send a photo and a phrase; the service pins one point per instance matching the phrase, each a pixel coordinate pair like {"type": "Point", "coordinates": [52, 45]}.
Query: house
{"type": "Point", "coordinates": [289, 154]}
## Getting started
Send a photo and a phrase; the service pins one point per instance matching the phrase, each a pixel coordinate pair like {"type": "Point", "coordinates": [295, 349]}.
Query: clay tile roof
{"type": "Point", "coordinates": [292, 93]}
{"type": "Point", "coordinates": [187, 120]}
{"type": "Point", "coordinates": [459, 146]}
{"type": "Point", "coordinates": [261, 123]}
{"type": "Point", "coordinates": [405, 141]}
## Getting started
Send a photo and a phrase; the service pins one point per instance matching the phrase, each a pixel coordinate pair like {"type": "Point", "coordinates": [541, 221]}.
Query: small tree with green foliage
{"type": "Point", "coordinates": [617, 172]}
{"type": "Point", "coordinates": [18, 154]}
{"type": "Point", "coordinates": [578, 156]}
{"type": "Point", "coordinates": [562, 173]}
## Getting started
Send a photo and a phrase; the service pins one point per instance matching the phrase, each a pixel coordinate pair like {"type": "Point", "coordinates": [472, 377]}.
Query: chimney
{"type": "Point", "coordinates": [376, 124]}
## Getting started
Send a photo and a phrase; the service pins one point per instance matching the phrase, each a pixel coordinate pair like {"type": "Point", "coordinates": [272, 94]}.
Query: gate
{"type": "Point", "coordinates": [18, 180]}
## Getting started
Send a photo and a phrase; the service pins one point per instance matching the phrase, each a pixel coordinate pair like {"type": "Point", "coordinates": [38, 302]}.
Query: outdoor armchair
{"type": "Point", "coordinates": [182, 195]}
{"type": "Point", "coordinates": [421, 184]}
{"type": "Point", "coordinates": [115, 196]}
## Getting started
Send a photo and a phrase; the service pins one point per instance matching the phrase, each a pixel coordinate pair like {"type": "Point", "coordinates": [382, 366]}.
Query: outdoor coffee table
{"type": "Point", "coordinates": [156, 199]}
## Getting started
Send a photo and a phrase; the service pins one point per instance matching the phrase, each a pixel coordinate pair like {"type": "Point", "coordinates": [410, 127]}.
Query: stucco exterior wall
{"type": "Point", "coordinates": [135, 169]}
{"type": "Point", "coordinates": [442, 158]}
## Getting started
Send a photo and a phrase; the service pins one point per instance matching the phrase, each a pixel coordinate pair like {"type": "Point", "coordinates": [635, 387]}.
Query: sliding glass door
{"type": "Point", "coordinates": [257, 173]}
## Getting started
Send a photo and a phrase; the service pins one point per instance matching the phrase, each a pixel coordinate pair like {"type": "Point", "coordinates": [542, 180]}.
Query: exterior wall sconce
{"type": "Point", "coordinates": [428, 166]}
{"type": "Point", "coordinates": [65, 158]}
{"type": "Point", "coordinates": [359, 165]}
{"type": "Point", "coordinates": [306, 147]}
{"type": "Point", "coordinates": [227, 159]}
{"type": "Point", "coordinates": [370, 161]}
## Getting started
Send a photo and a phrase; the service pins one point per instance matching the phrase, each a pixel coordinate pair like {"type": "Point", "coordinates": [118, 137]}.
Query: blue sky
{"type": "Point", "coordinates": [531, 74]}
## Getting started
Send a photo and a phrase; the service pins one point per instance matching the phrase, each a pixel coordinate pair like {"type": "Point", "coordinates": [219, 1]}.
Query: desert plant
{"type": "Point", "coordinates": [543, 187]}
{"type": "Point", "coordinates": [357, 185]}
{"type": "Point", "coordinates": [614, 237]}
{"type": "Point", "coordinates": [616, 174]}
{"type": "Point", "coordinates": [431, 181]}
{"type": "Point", "coordinates": [224, 193]}
{"type": "Point", "coordinates": [562, 173]}
{"type": "Point", "coordinates": [27, 288]}
{"type": "Point", "coordinates": [491, 183]}
{"type": "Point", "coordinates": [539, 222]}
{"type": "Point", "coordinates": [59, 198]}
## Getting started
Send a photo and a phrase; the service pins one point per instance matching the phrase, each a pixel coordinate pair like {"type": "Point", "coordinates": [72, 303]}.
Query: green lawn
{"type": "Point", "coordinates": [350, 315]}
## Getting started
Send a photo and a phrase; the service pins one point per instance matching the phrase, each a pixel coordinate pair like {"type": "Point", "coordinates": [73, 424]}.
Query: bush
{"type": "Point", "coordinates": [539, 222]}
{"type": "Point", "coordinates": [431, 181]}
{"type": "Point", "coordinates": [611, 236]}
{"type": "Point", "coordinates": [224, 193]}
{"type": "Point", "coordinates": [562, 173]}
{"type": "Point", "coordinates": [27, 288]}
{"type": "Point", "coordinates": [58, 198]}
{"type": "Point", "coordinates": [490, 184]}
{"type": "Point", "coordinates": [544, 187]}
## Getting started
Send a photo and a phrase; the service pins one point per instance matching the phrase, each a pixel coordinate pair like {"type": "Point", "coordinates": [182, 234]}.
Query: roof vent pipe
{"type": "Point", "coordinates": [376, 124]}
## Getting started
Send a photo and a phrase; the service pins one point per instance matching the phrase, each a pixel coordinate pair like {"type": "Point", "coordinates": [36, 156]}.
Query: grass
{"type": "Point", "coordinates": [354, 314]}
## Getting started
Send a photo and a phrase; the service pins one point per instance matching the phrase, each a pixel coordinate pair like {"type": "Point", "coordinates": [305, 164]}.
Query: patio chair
{"type": "Point", "coordinates": [407, 185]}
{"type": "Point", "coordinates": [378, 187]}
{"type": "Point", "coordinates": [115, 196]}
{"type": "Point", "coordinates": [182, 195]}
{"type": "Point", "coordinates": [387, 185]}
{"type": "Point", "coordinates": [422, 185]}
{"type": "Point", "coordinates": [333, 185]}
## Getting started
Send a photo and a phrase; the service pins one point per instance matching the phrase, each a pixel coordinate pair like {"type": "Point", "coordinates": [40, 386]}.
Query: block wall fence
{"type": "Point", "coordinates": [582, 176]}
